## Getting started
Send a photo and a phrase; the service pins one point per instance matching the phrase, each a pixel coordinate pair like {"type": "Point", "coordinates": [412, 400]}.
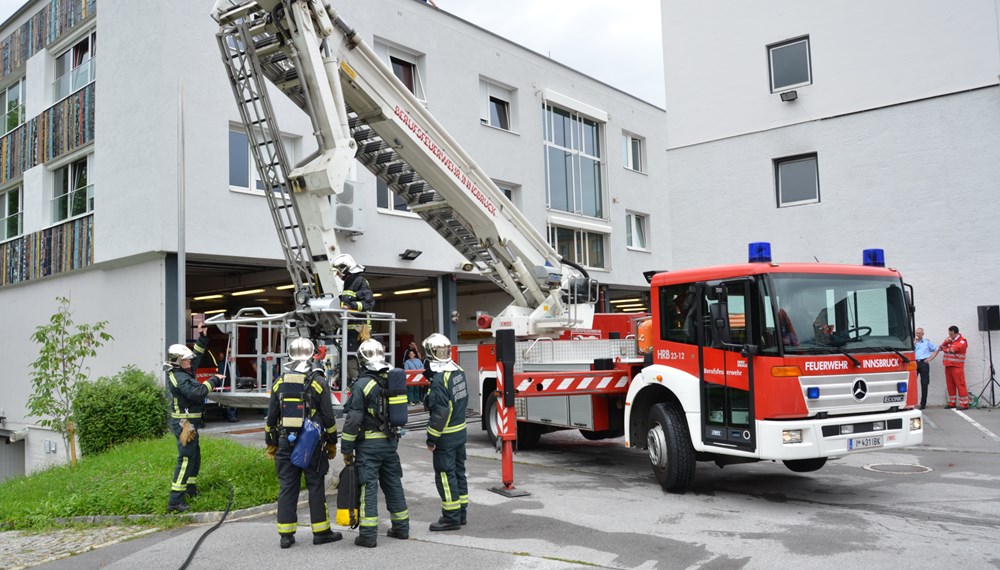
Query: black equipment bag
{"type": "Point", "coordinates": [396, 397]}
{"type": "Point", "coordinates": [348, 497]}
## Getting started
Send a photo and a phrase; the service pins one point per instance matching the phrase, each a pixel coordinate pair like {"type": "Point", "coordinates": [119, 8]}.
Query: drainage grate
{"type": "Point", "coordinates": [898, 468]}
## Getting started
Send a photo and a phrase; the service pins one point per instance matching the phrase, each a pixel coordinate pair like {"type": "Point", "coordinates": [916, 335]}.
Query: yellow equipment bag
{"type": "Point", "coordinates": [348, 497]}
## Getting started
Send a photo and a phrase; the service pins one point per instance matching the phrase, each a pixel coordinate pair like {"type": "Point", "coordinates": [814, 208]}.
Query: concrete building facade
{"type": "Point", "coordinates": [90, 173]}
{"type": "Point", "coordinates": [827, 131]}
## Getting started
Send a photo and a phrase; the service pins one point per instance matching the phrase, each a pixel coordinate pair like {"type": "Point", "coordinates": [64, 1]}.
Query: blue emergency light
{"type": "Point", "coordinates": [812, 392]}
{"type": "Point", "coordinates": [874, 257]}
{"type": "Point", "coordinates": [760, 251]}
{"type": "Point", "coordinates": [901, 387]}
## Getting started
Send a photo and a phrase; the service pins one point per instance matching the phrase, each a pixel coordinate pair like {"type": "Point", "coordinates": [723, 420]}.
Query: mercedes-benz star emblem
{"type": "Point", "coordinates": [860, 389]}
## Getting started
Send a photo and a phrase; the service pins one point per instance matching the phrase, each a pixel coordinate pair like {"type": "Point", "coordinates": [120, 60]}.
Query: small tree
{"type": "Point", "coordinates": [59, 368]}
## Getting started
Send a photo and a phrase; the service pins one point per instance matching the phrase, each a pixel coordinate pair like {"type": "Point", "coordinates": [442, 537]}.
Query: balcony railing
{"type": "Point", "coordinates": [75, 79]}
{"type": "Point", "coordinates": [77, 202]}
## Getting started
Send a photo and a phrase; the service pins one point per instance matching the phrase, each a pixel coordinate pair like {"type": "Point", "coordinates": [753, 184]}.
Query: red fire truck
{"type": "Point", "coordinates": [761, 361]}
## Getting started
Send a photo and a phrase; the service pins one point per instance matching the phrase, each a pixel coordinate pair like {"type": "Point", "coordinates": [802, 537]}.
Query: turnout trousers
{"type": "Point", "coordinates": [290, 481]}
{"type": "Point", "coordinates": [450, 480]}
{"type": "Point", "coordinates": [955, 375]}
{"type": "Point", "coordinates": [188, 465]}
{"type": "Point", "coordinates": [378, 465]}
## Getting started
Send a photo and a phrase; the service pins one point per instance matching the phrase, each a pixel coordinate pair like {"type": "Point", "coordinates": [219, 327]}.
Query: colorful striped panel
{"type": "Point", "coordinates": [54, 250]}
{"type": "Point", "coordinates": [47, 26]}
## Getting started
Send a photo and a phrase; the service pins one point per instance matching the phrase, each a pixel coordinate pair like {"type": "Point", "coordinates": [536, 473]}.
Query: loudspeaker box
{"type": "Point", "coordinates": [989, 317]}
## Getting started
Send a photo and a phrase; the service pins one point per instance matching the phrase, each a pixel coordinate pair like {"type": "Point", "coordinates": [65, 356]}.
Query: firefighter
{"type": "Point", "coordinates": [367, 436]}
{"type": "Point", "coordinates": [954, 348]}
{"type": "Point", "coordinates": [357, 296]}
{"type": "Point", "coordinates": [447, 401]}
{"type": "Point", "coordinates": [187, 404]}
{"type": "Point", "coordinates": [298, 395]}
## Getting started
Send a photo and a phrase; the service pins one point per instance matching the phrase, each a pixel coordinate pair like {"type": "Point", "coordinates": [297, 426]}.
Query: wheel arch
{"type": "Point", "coordinates": [657, 384]}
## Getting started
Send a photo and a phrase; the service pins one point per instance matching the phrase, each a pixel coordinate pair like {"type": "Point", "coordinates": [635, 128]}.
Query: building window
{"type": "Point", "coordinates": [406, 65]}
{"type": "Point", "coordinates": [635, 231]}
{"type": "Point", "coordinates": [76, 66]}
{"type": "Point", "coordinates": [633, 152]}
{"type": "Point", "coordinates": [789, 63]}
{"type": "Point", "coordinates": [243, 173]}
{"type": "Point", "coordinates": [387, 199]}
{"type": "Point", "coordinates": [496, 107]}
{"type": "Point", "coordinates": [14, 109]}
{"type": "Point", "coordinates": [797, 180]}
{"type": "Point", "coordinates": [10, 213]}
{"type": "Point", "coordinates": [582, 247]}
{"type": "Point", "coordinates": [573, 162]}
{"type": "Point", "coordinates": [73, 192]}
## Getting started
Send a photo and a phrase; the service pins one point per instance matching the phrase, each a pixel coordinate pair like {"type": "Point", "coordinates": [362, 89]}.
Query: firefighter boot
{"type": "Point", "coordinates": [326, 536]}
{"type": "Point", "coordinates": [178, 507]}
{"type": "Point", "coordinates": [287, 540]}
{"type": "Point", "coordinates": [398, 533]}
{"type": "Point", "coordinates": [444, 524]}
{"type": "Point", "coordinates": [365, 541]}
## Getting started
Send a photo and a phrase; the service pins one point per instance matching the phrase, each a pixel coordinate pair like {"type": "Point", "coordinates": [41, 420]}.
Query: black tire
{"type": "Point", "coordinates": [528, 435]}
{"type": "Point", "coordinates": [805, 465]}
{"type": "Point", "coordinates": [599, 435]}
{"type": "Point", "coordinates": [670, 451]}
{"type": "Point", "coordinates": [491, 418]}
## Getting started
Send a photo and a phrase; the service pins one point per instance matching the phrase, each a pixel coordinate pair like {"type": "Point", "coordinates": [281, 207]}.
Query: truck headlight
{"type": "Point", "coordinates": [916, 424]}
{"type": "Point", "coordinates": [791, 436]}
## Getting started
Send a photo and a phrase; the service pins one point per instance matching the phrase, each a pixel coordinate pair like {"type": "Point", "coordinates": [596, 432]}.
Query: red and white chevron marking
{"type": "Point", "coordinates": [416, 378]}
{"type": "Point", "coordinates": [574, 382]}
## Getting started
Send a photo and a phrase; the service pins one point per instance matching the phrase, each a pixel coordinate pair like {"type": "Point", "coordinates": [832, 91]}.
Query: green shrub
{"type": "Point", "coordinates": [126, 407]}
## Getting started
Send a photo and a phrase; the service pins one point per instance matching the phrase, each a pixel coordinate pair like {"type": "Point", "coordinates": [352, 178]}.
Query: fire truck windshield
{"type": "Point", "coordinates": [813, 313]}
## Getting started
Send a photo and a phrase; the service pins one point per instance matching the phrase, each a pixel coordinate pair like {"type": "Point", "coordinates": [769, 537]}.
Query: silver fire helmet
{"type": "Point", "coordinates": [438, 347]}
{"type": "Point", "coordinates": [372, 355]}
{"type": "Point", "coordinates": [301, 349]}
{"type": "Point", "coordinates": [344, 264]}
{"type": "Point", "coordinates": [178, 352]}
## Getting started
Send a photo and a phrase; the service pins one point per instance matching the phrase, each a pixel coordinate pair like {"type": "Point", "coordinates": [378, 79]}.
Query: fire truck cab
{"type": "Point", "coordinates": [793, 362]}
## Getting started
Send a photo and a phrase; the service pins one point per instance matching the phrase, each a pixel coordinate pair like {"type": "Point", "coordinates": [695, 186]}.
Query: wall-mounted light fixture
{"type": "Point", "coordinates": [789, 96]}
{"type": "Point", "coordinates": [207, 297]}
{"type": "Point", "coordinates": [410, 254]}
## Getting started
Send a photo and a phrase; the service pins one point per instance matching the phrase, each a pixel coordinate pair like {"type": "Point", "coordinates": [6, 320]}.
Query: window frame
{"type": "Point", "coordinates": [574, 128]}
{"type": "Point", "coordinates": [636, 221]}
{"type": "Point", "coordinates": [255, 184]}
{"type": "Point", "coordinates": [5, 215]}
{"type": "Point", "coordinates": [490, 90]}
{"type": "Point", "coordinates": [628, 152]}
{"type": "Point", "coordinates": [771, 48]}
{"type": "Point", "coordinates": [780, 162]}
{"type": "Point", "coordinates": [72, 188]}
{"type": "Point", "coordinates": [90, 62]}
{"type": "Point", "coordinates": [20, 85]}
{"type": "Point", "coordinates": [388, 51]}
{"type": "Point", "coordinates": [382, 196]}
{"type": "Point", "coordinates": [580, 248]}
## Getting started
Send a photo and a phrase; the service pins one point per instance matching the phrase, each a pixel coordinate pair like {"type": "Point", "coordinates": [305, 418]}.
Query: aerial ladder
{"type": "Point", "coordinates": [360, 110]}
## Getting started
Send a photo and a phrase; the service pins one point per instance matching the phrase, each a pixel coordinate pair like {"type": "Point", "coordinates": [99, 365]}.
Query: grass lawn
{"type": "Point", "coordinates": [135, 479]}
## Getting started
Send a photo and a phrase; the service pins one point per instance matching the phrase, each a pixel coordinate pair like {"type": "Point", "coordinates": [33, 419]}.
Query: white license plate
{"type": "Point", "coordinates": [865, 442]}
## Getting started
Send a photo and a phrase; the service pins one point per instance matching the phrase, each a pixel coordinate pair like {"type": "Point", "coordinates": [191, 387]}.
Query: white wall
{"type": "Point", "coordinates": [863, 57]}
{"type": "Point", "coordinates": [917, 180]}
{"type": "Point", "coordinates": [129, 297]}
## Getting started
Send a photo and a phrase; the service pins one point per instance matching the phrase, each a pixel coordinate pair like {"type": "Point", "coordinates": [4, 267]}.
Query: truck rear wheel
{"type": "Point", "coordinates": [669, 444]}
{"type": "Point", "coordinates": [805, 465]}
{"type": "Point", "coordinates": [492, 418]}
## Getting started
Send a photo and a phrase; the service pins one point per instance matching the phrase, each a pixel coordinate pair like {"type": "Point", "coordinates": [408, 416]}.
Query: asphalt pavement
{"type": "Point", "coordinates": [596, 504]}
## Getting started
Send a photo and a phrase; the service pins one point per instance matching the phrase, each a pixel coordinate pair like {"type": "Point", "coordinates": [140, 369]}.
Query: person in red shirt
{"type": "Point", "coordinates": [954, 348]}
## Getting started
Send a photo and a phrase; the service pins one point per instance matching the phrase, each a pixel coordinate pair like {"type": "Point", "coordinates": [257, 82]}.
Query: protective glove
{"type": "Point", "coordinates": [188, 433]}
{"type": "Point", "coordinates": [348, 458]}
{"type": "Point", "coordinates": [271, 450]}
{"type": "Point", "coordinates": [331, 450]}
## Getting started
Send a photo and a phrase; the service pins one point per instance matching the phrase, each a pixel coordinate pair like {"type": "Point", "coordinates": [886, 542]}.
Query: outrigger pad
{"type": "Point", "coordinates": [510, 492]}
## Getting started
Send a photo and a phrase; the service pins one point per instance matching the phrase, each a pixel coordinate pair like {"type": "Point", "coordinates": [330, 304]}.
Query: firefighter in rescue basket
{"type": "Point", "coordinates": [301, 436]}
{"type": "Point", "coordinates": [358, 297]}
{"type": "Point", "coordinates": [374, 412]}
{"type": "Point", "coordinates": [447, 401]}
{"type": "Point", "coordinates": [187, 404]}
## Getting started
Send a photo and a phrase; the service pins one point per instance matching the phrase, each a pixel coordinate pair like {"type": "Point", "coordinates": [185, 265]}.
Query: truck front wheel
{"type": "Point", "coordinates": [669, 446]}
{"type": "Point", "coordinates": [805, 465]}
